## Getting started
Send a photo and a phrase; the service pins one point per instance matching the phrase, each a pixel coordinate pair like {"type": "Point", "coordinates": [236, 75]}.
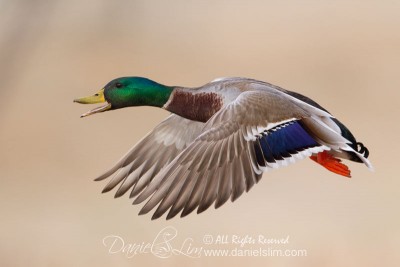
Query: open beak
{"type": "Point", "coordinates": [96, 98]}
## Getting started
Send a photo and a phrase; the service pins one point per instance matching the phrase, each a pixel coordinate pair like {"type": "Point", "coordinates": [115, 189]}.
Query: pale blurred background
{"type": "Point", "coordinates": [343, 54]}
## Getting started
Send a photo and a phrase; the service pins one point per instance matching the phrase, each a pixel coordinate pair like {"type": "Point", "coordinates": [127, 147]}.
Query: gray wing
{"type": "Point", "coordinates": [221, 163]}
{"type": "Point", "coordinates": [156, 150]}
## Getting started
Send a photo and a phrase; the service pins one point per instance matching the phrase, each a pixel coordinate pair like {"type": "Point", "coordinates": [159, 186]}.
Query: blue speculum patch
{"type": "Point", "coordinates": [282, 142]}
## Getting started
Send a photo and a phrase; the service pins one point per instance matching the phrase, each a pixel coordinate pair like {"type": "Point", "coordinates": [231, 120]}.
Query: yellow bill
{"type": "Point", "coordinates": [94, 99]}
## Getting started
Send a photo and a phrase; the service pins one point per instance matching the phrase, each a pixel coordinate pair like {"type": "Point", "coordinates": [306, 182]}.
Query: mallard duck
{"type": "Point", "coordinates": [219, 140]}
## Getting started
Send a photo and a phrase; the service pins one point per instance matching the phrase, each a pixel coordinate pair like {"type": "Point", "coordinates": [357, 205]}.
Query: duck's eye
{"type": "Point", "coordinates": [118, 85]}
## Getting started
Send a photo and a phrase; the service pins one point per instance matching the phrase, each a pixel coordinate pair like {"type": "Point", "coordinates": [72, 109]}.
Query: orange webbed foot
{"type": "Point", "coordinates": [331, 163]}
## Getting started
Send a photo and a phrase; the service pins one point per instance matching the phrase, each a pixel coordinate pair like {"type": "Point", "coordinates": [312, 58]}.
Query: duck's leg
{"type": "Point", "coordinates": [331, 163]}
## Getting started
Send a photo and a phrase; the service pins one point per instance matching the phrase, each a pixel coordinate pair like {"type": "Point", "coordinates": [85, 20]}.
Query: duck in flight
{"type": "Point", "coordinates": [218, 141]}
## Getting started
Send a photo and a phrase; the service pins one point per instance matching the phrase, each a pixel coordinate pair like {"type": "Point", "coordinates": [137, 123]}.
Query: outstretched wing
{"type": "Point", "coordinates": [156, 150]}
{"type": "Point", "coordinates": [259, 130]}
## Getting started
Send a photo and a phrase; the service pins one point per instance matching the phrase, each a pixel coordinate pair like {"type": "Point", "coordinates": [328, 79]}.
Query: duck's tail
{"type": "Point", "coordinates": [332, 133]}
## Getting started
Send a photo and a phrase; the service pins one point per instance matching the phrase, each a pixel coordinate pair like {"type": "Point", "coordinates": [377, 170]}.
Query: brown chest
{"type": "Point", "coordinates": [195, 106]}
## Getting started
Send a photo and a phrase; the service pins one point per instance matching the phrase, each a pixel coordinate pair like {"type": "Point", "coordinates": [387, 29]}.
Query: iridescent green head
{"type": "Point", "coordinates": [128, 92]}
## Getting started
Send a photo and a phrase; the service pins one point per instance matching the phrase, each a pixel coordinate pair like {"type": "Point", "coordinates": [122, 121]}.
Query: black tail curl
{"type": "Point", "coordinates": [362, 149]}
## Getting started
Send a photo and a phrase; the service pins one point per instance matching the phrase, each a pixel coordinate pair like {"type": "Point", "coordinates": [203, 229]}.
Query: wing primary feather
{"type": "Point", "coordinates": [130, 181]}
{"type": "Point", "coordinates": [121, 163]}
{"type": "Point", "coordinates": [210, 192]}
{"type": "Point", "coordinates": [141, 183]}
{"type": "Point", "coordinates": [161, 192]}
{"type": "Point", "coordinates": [239, 180]}
{"type": "Point", "coordinates": [197, 193]}
{"type": "Point", "coordinates": [250, 177]}
{"type": "Point", "coordinates": [118, 177]}
{"type": "Point", "coordinates": [170, 197]}
{"type": "Point", "coordinates": [184, 194]}
{"type": "Point", "coordinates": [156, 183]}
{"type": "Point", "coordinates": [223, 154]}
{"type": "Point", "coordinates": [214, 156]}
{"type": "Point", "coordinates": [204, 161]}
{"type": "Point", "coordinates": [224, 186]}
{"type": "Point", "coordinates": [231, 149]}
